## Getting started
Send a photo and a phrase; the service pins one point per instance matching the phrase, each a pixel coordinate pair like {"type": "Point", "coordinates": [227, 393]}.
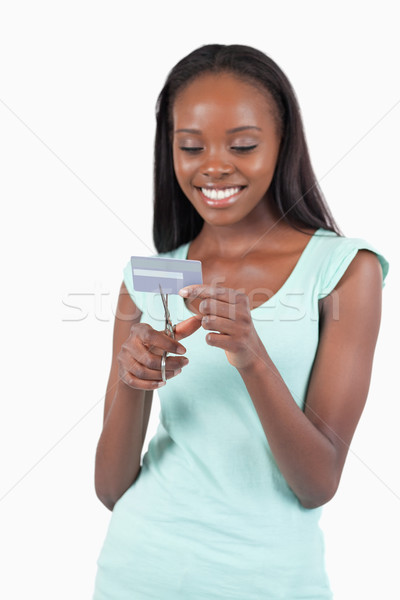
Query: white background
{"type": "Point", "coordinates": [78, 85]}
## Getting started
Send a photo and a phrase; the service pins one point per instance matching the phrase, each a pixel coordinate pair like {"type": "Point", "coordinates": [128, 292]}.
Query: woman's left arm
{"type": "Point", "coordinates": [310, 447]}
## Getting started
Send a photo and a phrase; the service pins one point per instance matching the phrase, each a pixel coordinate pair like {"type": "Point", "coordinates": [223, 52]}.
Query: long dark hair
{"type": "Point", "coordinates": [294, 187]}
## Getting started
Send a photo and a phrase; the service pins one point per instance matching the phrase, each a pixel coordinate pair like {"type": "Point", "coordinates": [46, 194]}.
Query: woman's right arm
{"type": "Point", "coordinates": [136, 360]}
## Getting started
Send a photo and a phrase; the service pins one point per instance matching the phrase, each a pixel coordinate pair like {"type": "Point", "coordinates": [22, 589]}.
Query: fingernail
{"type": "Point", "coordinates": [181, 351]}
{"type": "Point", "coordinates": [183, 292]}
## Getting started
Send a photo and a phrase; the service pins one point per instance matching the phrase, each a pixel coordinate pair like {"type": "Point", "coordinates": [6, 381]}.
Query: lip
{"type": "Point", "coordinates": [226, 186]}
{"type": "Point", "coordinates": [224, 201]}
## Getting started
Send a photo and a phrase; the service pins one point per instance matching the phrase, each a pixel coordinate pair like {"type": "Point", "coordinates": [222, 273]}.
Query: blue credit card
{"type": "Point", "coordinates": [171, 273]}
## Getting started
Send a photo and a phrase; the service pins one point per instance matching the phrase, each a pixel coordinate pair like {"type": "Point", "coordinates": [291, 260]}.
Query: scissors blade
{"type": "Point", "coordinates": [166, 310]}
{"type": "Point", "coordinates": [164, 299]}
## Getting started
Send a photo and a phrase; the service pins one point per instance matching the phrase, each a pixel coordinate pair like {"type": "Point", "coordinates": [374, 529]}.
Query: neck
{"type": "Point", "coordinates": [258, 230]}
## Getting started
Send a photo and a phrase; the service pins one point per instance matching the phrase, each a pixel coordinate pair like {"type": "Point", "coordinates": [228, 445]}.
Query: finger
{"type": "Point", "coordinates": [151, 359]}
{"type": "Point", "coordinates": [143, 373]}
{"type": "Point", "coordinates": [220, 324]}
{"type": "Point", "coordinates": [201, 291]}
{"type": "Point", "coordinates": [160, 340]}
{"type": "Point", "coordinates": [220, 340]}
{"type": "Point", "coordinates": [187, 327]}
{"type": "Point", "coordinates": [218, 300]}
{"type": "Point", "coordinates": [213, 307]}
{"type": "Point", "coordinates": [206, 291]}
{"type": "Point", "coordinates": [144, 384]}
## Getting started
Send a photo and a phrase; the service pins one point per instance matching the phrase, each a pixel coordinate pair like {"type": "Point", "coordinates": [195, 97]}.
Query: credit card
{"type": "Point", "coordinates": [172, 274]}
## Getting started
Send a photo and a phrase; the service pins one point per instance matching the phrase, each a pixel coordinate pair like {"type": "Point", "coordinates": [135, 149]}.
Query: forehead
{"type": "Point", "coordinates": [221, 98]}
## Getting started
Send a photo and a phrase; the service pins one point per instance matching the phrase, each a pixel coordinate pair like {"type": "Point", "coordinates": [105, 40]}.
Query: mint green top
{"type": "Point", "coordinates": [210, 516]}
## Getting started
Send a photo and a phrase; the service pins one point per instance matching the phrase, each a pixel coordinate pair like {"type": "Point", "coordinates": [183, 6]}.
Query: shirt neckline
{"type": "Point", "coordinates": [296, 268]}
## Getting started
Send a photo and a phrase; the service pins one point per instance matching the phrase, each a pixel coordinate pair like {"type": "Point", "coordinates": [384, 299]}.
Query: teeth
{"type": "Point", "coordinates": [219, 194]}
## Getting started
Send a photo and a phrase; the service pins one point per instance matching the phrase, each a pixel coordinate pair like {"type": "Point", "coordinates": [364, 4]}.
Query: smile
{"type": "Point", "coordinates": [214, 194]}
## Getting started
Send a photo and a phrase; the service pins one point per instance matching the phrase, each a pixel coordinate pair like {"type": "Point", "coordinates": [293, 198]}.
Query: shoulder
{"type": "Point", "coordinates": [355, 301]}
{"type": "Point", "coordinates": [339, 259]}
{"type": "Point", "coordinates": [364, 270]}
{"type": "Point", "coordinates": [364, 273]}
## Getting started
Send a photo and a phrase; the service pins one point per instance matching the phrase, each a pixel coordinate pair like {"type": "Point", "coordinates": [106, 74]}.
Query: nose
{"type": "Point", "coordinates": [215, 166]}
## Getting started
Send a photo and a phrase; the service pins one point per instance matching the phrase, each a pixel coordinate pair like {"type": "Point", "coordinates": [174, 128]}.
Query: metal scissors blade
{"type": "Point", "coordinates": [169, 330]}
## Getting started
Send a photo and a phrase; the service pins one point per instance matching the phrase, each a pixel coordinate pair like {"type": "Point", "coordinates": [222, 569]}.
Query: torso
{"type": "Point", "coordinates": [260, 273]}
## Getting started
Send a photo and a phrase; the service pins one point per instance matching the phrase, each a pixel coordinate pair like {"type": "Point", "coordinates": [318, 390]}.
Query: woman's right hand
{"type": "Point", "coordinates": [139, 360]}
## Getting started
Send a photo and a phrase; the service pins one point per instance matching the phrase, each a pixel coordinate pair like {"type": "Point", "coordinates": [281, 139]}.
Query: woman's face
{"type": "Point", "coordinates": [225, 147]}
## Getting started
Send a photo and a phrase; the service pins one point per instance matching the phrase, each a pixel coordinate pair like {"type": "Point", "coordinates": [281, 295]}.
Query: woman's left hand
{"type": "Point", "coordinates": [227, 311]}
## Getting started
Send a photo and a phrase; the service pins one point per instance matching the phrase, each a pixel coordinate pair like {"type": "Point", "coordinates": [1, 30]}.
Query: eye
{"type": "Point", "coordinates": [243, 148]}
{"type": "Point", "coordinates": [192, 149]}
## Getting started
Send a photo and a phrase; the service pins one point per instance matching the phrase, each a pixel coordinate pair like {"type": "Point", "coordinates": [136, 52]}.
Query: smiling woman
{"type": "Point", "coordinates": [218, 165]}
{"type": "Point", "coordinates": [295, 191]}
{"type": "Point", "coordinates": [254, 432]}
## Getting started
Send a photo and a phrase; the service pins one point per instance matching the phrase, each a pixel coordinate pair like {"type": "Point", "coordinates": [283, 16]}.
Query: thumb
{"type": "Point", "coordinates": [187, 327]}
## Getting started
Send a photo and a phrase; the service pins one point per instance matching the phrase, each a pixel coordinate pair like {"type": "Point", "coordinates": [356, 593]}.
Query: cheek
{"type": "Point", "coordinates": [262, 168]}
{"type": "Point", "coordinates": [183, 168]}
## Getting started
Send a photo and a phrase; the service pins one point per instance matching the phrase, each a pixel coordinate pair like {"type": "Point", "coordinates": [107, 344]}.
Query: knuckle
{"type": "Point", "coordinates": [140, 371]}
{"type": "Point", "coordinates": [147, 360]}
{"type": "Point", "coordinates": [146, 333]}
{"type": "Point", "coordinates": [212, 305]}
{"type": "Point", "coordinates": [129, 380]}
{"type": "Point", "coordinates": [134, 328]}
{"type": "Point", "coordinates": [152, 362]}
{"type": "Point", "coordinates": [141, 355]}
{"type": "Point", "coordinates": [122, 354]}
{"type": "Point", "coordinates": [203, 306]}
{"type": "Point", "coordinates": [130, 366]}
{"type": "Point", "coordinates": [124, 347]}
{"type": "Point", "coordinates": [137, 330]}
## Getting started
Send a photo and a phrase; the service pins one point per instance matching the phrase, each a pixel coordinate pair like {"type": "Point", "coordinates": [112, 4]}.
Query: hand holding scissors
{"type": "Point", "coordinates": [139, 358]}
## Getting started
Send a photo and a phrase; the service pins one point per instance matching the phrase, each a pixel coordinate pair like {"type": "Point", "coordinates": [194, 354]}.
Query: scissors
{"type": "Point", "coordinates": [169, 330]}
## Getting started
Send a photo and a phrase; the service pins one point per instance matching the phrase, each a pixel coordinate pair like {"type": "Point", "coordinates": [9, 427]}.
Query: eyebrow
{"type": "Point", "coordinates": [234, 130]}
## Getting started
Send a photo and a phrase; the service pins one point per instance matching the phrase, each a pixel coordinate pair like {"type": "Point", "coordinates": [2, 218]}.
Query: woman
{"type": "Point", "coordinates": [254, 432]}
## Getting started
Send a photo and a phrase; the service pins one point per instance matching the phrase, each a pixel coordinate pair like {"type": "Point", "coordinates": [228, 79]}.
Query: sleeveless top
{"type": "Point", "coordinates": [210, 515]}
